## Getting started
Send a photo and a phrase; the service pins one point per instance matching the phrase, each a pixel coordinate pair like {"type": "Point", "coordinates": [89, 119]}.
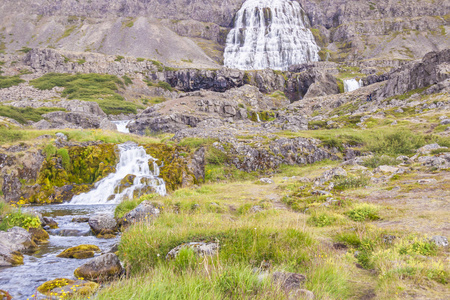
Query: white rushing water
{"type": "Point", "coordinates": [133, 161]}
{"type": "Point", "coordinates": [351, 85]}
{"type": "Point", "coordinates": [270, 34]}
{"type": "Point", "coordinates": [122, 126]}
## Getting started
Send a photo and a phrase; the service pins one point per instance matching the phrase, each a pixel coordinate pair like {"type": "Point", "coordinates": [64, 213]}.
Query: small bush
{"type": "Point", "coordinates": [165, 85]}
{"type": "Point", "coordinates": [18, 218]}
{"type": "Point", "coordinates": [377, 160]}
{"type": "Point", "coordinates": [6, 82]}
{"type": "Point", "coordinates": [400, 142]}
{"type": "Point", "coordinates": [65, 158]}
{"type": "Point", "coordinates": [119, 58]}
{"type": "Point", "coordinates": [422, 247]}
{"type": "Point", "coordinates": [25, 114]}
{"type": "Point", "coordinates": [350, 182]}
{"type": "Point", "coordinates": [321, 220]}
{"type": "Point", "coordinates": [127, 80]}
{"type": "Point", "coordinates": [364, 212]}
{"type": "Point", "coordinates": [50, 150]}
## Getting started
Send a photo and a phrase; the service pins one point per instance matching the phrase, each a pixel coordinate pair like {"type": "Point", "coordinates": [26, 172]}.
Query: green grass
{"type": "Point", "coordinates": [6, 82]}
{"type": "Point", "coordinates": [383, 160]}
{"type": "Point", "coordinates": [128, 205]}
{"type": "Point", "coordinates": [102, 89]}
{"type": "Point", "coordinates": [25, 114]}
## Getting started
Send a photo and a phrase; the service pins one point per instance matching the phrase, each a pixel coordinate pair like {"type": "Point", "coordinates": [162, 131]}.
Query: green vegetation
{"type": "Point", "coordinates": [11, 216]}
{"type": "Point", "coordinates": [25, 49]}
{"type": "Point", "coordinates": [363, 212]}
{"type": "Point", "coordinates": [102, 89]}
{"type": "Point", "coordinates": [6, 82]}
{"type": "Point", "coordinates": [383, 160]}
{"type": "Point", "coordinates": [153, 100]}
{"type": "Point", "coordinates": [25, 114]}
{"type": "Point", "coordinates": [127, 80]}
{"type": "Point", "coordinates": [130, 204]}
{"type": "Point", "coordinates": [67, 32]}
{"type": "Point", "coordinates": [119, 58]}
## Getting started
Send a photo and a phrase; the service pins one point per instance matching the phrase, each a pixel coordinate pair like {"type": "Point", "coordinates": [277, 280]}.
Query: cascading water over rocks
{"type": "Point", "coordinates": [270, 34]}
{"type": "Point", "coordinates": [134, 167]}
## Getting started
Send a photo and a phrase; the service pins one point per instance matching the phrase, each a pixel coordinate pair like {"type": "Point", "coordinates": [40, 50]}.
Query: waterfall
{"type": "Point", "coordinates": [122, 126]}
{"type": "Point", "coordinates": [351, 85]}
{"type": "Point", "coordinates": [270, 34]}
{"type": "Point", "coordinates": [133, 176]}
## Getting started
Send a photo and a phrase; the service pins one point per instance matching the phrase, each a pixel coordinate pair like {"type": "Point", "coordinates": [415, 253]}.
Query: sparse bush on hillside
{"type": "Point", "coordinates": [6, 82]}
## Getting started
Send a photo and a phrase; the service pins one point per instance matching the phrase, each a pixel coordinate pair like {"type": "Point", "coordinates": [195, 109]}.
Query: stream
{"type": "Point", "coordinates": [43, 265]}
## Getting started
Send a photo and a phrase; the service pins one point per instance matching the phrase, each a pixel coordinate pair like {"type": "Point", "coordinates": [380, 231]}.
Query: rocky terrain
{"type": "Point", "coordinates": [329, 180]}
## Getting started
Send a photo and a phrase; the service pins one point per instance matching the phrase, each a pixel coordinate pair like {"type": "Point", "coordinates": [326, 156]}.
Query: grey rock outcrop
{"type": "Point", "coordinates": [145, 211]}
{"type": "Point", "coordinates": [102, 224]}
{"type": "Point", "coordinates": [434, 68]}
{"type": "Point", "coordinates": [101, 268]}
{"type": "Point", "coordinates": [200, 248]}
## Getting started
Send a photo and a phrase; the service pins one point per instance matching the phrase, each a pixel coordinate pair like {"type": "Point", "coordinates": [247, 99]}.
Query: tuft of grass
{"type": "Point", "coordinates": [127, 80]}
{"type": "Point", "coordinates": [364, 212]}
{"type": "Point", "coordinates": [25, 114]}
{"type": "Point", "coordinates": [377, 160]}
{"type": "Point", "coordinates": [9, 81]}
{"type": "Point", "coordinates": [396, 143]}
{"type": "Point", "coordinates": [351, 182]}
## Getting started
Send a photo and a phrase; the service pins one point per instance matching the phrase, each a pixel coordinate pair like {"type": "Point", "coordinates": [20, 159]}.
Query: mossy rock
{"type": "Point", "coordinates": [126, 182]}
{"type": "Point", "coordinates": [39, 235]}
{"type": "Point", "coordinates": [106, 235]}
{"type": "Point", "coordinates": [55, 283]}
{"type": "Point", "coordinates": [79, 252]}
{"type": "Point", "coordinates": [175, 171]}
{"type": "Point", "coordinates": [63, 287]}
{"type": "Point", "coordinates": [16, 258]}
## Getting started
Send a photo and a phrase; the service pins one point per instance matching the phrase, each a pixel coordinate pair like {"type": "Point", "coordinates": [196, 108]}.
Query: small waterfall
{"type": "Point", "coordinates": [122, 126]}
{"type": "Point", "coordinates": [351, 85]}
{"type": "Point", "coordinates": [270, 34]}
{"type": "Point", "coordinates": [133, 175]}
{"type": "Point", "coordinates": [257, 118]}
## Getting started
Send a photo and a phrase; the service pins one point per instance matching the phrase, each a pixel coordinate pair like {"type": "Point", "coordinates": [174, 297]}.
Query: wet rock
{"type": "Point", "coordinates": [104, 267]}
{"type": "Point", "coordinates": [39, 235]}
{"type": "Point", "coordinates": [200, 248]}
{"type": "Point", "coordinates": [69, 232]}
{"type": "Point", "coordinates": [80, 220]}
{"type": "Point", "coordinates": [63, 288]}
{"type": "Point", "coordinates": [144, 211]}
{"type": "Point", "coordinates": [47, 221]}
{"type": "Point", "coordinates": [17, 239]}
{"type": "Point", "coordinates": [288, 281]}
{"type": "Point", "coordinates": [266, 181]}
{"type": "Point", "coordinates": [102, 224]}
{"type": "Point", "coordinates": [80, 252]}
{"type": "Point", "coordinates": [440, 241]}
{"type": "Point", "coordinates": [9, 258]}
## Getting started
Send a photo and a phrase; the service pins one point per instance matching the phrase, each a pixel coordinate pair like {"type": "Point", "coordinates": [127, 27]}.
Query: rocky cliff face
{"type": "Point", "coordinates": [346, 30]}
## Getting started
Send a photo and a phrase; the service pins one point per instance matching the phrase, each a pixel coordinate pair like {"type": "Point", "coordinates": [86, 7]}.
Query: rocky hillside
{"type": "Point", "coordinates": [193, 33]}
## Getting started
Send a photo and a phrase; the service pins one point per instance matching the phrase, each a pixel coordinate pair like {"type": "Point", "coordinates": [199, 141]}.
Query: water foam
{"type": "Point", "coordinates": [270, 34]}
{"type": "Point", "coordinates": [133, 164]}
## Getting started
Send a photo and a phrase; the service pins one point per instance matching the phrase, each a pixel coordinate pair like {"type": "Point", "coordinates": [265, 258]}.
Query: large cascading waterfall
{"type": "Point", "coordinates": [270, 34]}
{"type": "Point", "coordinates": [133, 176]}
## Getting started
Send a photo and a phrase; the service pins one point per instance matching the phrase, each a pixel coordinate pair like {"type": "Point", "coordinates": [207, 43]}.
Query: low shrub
{"type": "Point", "coordinates": [377, 160]}
{"type": "Point", "coordinates": [363, 212]}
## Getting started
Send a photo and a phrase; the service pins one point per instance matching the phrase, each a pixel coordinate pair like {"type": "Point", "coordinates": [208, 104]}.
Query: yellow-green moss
{"type": "Point", "coordinates": [80, 252]}
{"type": "Point", "coordinates": [83, 167]}
{"type": "Point", "coordinates": [39, 235]}
{"type": "Point", "coordinates": [55, 283]}
{"type": "Point", "coordinates": [16, 259]}
{"type": "Point", "coordinates": [175, 171]}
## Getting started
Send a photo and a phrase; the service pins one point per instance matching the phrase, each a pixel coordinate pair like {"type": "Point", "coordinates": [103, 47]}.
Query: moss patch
{"type": "Point", "coordinates": [80, 252]}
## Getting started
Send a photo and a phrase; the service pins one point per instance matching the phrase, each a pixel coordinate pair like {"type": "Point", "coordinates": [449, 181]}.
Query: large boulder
{"type": "Point", "coordinates": [101, 268]}
{"type": "Point", "coordinates": [17, 239]}
{"type": "Point", "coordinates": [103, 224]}
{"type": "Point", "coordinates": [144, 211]}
